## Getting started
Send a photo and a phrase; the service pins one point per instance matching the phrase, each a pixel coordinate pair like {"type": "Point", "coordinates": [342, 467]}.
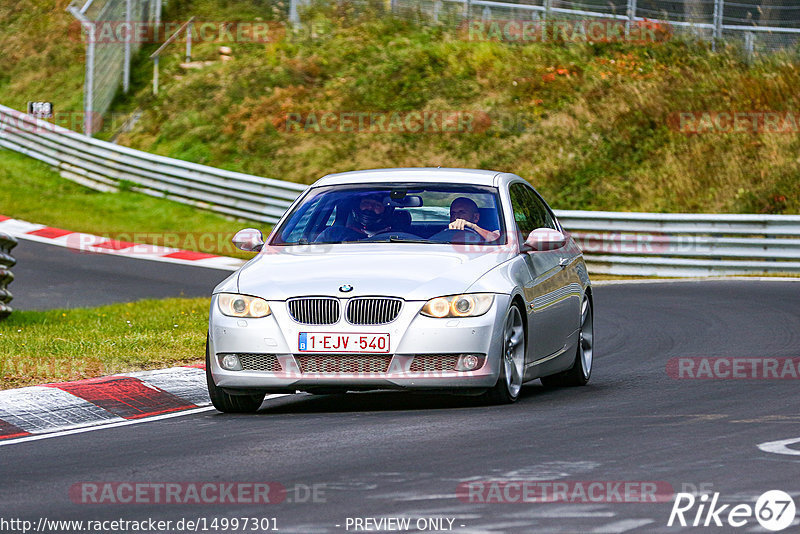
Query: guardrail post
{"type": "Point", "coordinates": [7, 261]}
{"type": "Point", "coordinates": [749, 46]}
{"type": "Point", "coordinates": [88, 82]}
{"type": "Point", "coordinates": [719, 6]}
{"type": "Point", "coordinates": [631, 17]}
{"type": "Point", "coordinates": [545, 19]}
{"type": "Point", "coordinates": [189, 42]}
{"type": "Point", "coordinates": [155, 75]}
{"type": "Point", "coordinates": [126, 61]}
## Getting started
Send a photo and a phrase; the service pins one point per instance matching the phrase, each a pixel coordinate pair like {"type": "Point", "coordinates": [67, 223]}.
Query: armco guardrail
{"type": "Point", "coordinates": [7, 261]}
{"type": "Point", "coordinates": [662, 244]}
{"type": "Point", "coordinates": [103, 166]}
{"type": "Point", "coordinates": [639, 244]}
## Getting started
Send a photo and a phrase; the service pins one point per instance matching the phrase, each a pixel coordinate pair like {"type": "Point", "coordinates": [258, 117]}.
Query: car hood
{"type": "Point", "coordinates": [408, 271]}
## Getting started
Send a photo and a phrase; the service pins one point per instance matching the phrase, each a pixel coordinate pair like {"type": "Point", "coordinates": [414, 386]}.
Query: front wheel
{"type": "Point", "coordinates": [581, 370]}
{"type": "Point", "coordinates": [225, 402]}
{"type": "Point", "coordinates": [512, 362]}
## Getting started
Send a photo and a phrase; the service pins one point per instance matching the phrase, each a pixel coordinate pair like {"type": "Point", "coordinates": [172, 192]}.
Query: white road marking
{"type": "Point", "coordinates": [20, 229]}
{"type": "Point", "coordinates": [103, 427]}
{"type": "Point", "coordinates": [49, 435]}
{"type": "Point", "coordinates": [41, 409]}
{"type": "Point", "coordinates": [623, 526]}
{"type": "Point", "coordinates": [188, 383]}
{"type": "Point", "coordinates": [780, 447]}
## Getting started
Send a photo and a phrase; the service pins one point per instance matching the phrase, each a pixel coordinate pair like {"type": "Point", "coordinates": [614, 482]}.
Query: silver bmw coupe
{"type": "Point", "coordinates": [446, 280]}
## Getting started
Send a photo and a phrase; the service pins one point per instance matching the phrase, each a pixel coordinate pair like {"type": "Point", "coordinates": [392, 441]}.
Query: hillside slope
{"type": "Point", "coordinates": [592, 126]}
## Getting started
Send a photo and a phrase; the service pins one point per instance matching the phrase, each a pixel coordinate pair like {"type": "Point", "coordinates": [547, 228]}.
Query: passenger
{"type": "Point", "coordinates": [464, 213]}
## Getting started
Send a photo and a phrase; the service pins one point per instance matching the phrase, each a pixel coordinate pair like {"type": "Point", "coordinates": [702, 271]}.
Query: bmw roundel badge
{"type": "Point", "coordinates": [345, 288]}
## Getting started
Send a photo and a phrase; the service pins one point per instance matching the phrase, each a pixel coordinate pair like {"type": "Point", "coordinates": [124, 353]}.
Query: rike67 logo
{"type": "Point", "coordinates": [774, 510]}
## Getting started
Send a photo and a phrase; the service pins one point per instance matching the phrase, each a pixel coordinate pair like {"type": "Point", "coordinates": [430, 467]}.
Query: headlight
{"type": "Point", "coordinates": [242, 306]}
{"type": "Point", "coordinates": [458, 306]}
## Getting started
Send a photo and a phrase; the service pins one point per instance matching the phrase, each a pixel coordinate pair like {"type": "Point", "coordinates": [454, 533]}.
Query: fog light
{"type": "Point", "coordinates": [469, 362]}
{"type": "Point", "coordinates": [230, 362]}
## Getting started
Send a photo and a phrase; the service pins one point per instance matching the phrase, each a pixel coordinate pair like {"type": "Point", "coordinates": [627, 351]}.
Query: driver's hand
{"type": "Point", "coordinates": [460, 224]}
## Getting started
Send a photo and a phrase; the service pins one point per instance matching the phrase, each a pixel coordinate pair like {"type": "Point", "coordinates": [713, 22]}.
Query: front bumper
{"type": "Point", "coordinates": [411, 334]}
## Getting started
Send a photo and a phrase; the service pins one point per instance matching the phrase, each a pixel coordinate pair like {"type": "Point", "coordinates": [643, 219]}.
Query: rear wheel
{"type": "Point", "coordinates": [581, 370]}
{"type": "Point", "coordinates": [225, 402]}
{"type": "Point", "coordinates": [512, 362]}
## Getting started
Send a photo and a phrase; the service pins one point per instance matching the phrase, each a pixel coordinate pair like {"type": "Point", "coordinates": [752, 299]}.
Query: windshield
{"type": "Point", "coordinates": [411, 213]}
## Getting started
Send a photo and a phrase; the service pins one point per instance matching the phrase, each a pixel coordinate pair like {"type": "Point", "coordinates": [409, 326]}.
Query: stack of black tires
{"type": "Point", "coordinates": [7, 261]}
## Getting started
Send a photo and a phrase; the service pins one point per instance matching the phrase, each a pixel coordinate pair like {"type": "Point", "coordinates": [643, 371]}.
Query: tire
{"type": "Point", "coordinates": [581, 370]}
{"type": "Point", "coordinates": [512, 363]}
{"type": "Point", "coordinates": [225, 402]}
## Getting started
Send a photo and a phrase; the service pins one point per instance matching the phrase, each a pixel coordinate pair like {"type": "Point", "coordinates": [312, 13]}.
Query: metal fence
{"type": "Point", "coordinates": [639, 244]}
{"type": "Point", "coordinates": [663, 244]}
{"type": "Point", "coordinates": [7, 261]}
{"type": "Point", "coordinates": [109, 29]}
{"type": "Point", "coordinates": [756, 26]}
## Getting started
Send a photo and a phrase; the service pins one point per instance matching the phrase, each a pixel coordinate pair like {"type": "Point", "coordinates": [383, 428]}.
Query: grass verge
{"type": "Point", "coordinates": [31, 191]}
{"type": "Point", "coordinates": [38, 347]}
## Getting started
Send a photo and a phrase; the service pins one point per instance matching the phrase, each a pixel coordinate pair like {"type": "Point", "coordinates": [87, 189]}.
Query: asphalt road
{"type": "Point", "coordinates": [48, 276]}
{"type": "Point", "coordinates": [392, 455]}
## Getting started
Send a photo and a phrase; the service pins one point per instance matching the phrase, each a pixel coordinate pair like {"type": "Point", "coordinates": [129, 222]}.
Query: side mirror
{"type": "Point", "coordinates": [249, 240]}
{"type": "Point", "coordinates": [545, 239]}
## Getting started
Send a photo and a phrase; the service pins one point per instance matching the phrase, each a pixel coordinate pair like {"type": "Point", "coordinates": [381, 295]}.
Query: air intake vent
{"type": "Point", "coordinates": [260, 362]}
{"type": "Point", "coordinates": [373, 310]}
{"type": "Point", "coordinates": [433, 362]}
{"type": "Point", "coordinates": [343, 363]}
{"type": "Point", "coordinates": [314, 310]}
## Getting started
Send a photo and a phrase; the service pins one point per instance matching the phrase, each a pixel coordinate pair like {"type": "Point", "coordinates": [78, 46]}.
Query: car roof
{"type": "Point", "coordinates": [414, 174]}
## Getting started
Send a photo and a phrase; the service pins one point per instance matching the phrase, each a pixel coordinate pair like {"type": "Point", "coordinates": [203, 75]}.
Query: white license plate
{"type": "Point", "coordinates": [337, 342]}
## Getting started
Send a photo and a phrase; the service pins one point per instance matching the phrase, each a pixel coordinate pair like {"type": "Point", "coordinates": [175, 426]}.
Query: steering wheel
{"type": "Point", "coordinates": [337, 234]}
{"type": "Point", "coordinates": [447, 236]}
{"type": "Point", "coordinates": [474, 231]}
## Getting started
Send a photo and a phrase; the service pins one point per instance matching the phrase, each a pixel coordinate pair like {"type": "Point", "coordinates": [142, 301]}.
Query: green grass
{"type": "Point", "coordinates": [588, 125]}
{"type": "Point", "coordinates": [58, 345]}
{"type": "Point", "coordinates": [31, 191]}
{"type": "Point", "coordinates": [41, 58]}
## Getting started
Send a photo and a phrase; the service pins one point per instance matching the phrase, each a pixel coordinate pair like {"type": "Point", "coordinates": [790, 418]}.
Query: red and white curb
{"type": "Point", "coordinates": [92, 244]}
{"type": "Point", "coordinates": [95, 402]}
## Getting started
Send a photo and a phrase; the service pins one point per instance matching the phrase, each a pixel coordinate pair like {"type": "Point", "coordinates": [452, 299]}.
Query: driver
{"type": "Point", "coordinates": [464, 214]}
{"type": "Point", "coordinates": [372, 215]}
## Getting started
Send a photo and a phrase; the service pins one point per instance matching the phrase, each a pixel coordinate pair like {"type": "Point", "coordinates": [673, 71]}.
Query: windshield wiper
{"type": "Point", "coordinates": [398, 239]}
